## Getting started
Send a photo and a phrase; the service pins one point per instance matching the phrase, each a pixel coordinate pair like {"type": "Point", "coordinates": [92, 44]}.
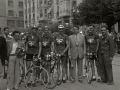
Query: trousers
{"type": "Point", "coordinates": [13, 76]}
{"type": "Point", "coordinates": [105, 65]}
{"type": "Point", "coordinates": [1, 74]}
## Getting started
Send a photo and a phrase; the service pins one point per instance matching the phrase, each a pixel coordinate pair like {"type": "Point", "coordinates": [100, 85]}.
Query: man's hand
{"type": "Point", "coordinates": [111, 58]}
{"type": "Point", "coordinates": [62, 54]}
{"type": "Point", "coordinates": [6, 62]}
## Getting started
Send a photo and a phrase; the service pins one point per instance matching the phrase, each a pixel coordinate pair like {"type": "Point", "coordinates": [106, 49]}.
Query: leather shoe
{"type": "Point", "coordinates": [110, 83]}
{"type": "Point", "coordinates": [80, 80]}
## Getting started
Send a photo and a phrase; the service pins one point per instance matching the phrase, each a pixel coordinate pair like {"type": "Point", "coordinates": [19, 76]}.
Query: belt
{"type": "Point", "coordinates": [12, 54]}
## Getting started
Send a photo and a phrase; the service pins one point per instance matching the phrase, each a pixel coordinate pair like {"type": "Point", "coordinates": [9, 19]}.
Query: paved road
{"type": "Point", "coordinates": [85, 85]}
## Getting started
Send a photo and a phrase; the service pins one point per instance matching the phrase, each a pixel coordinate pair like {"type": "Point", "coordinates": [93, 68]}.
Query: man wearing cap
{"type": "Point", "coordinates": [61, 46]}
{"type": "Point", "coordinates": [32, 48]}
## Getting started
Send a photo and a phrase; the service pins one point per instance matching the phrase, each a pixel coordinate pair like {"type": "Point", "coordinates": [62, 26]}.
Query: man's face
{"type": "Point", "coordinates": [103, 30]}
{"type": "Point", "coordinates": [16, 36]}
{"type": "Point", "coordinates": [46, 31]}
{"type": "Point", "coordinates": [76, 30]}
{"type": "Point", "coordinates": [61, 30]}
{"type": "Point", "coordinates": [34, 31]}
{"type": "Point", "coordinates": [90, 29]}
{"type": "Point", "coordinates": [6, 31]}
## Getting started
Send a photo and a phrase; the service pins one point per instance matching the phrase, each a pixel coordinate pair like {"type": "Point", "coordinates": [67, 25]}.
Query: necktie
{"type": "Point", "coordinates": [76, 38]}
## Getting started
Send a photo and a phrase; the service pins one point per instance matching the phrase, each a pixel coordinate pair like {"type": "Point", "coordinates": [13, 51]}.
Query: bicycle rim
{"type": "Point", "coordinates": [89, 72]}
{"type": "Point", "coordinates": [53, 78]}
{"type": "Point", "coordinates": [60, 73]}
{"type": "Point", "coordinates": [44, 77]}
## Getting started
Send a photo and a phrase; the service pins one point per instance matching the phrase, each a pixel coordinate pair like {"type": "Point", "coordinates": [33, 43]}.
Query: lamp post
{"type": "Point", "coordinates": [15, 19]}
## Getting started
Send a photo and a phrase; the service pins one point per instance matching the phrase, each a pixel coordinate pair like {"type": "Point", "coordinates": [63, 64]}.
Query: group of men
{"type": "Point", "coordinates": [71, 47]}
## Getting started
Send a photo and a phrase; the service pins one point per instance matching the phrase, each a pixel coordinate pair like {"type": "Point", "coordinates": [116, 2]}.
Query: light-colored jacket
{"type": "Point", "coordinates": [77, 50]}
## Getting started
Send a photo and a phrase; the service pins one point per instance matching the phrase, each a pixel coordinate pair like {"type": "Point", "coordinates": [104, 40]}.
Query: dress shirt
{"type": "Point", "coordinates": [14, 47]}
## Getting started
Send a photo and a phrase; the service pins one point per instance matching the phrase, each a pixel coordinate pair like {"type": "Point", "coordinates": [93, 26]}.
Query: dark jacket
{"type": "Point", "coordinates": [106, 45]}
{"type": "Point", "coordinates": [3, 50]}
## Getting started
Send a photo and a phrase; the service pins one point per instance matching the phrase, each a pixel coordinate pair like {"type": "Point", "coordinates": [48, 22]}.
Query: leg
{"type": "Point", "coordinates": [108, 67]}
{"type": "Point", "coordinates": [1, 74]}
{"type": "Point", "coordinates": [93, 68]}
{"type": "Point", "coordinates": [73, 68]}
{"type": "Point", "coordinates": [80, 68]}
{"type": "Point", "coordinates": [102, 68]}
{"type": "Point", "coordinates": [64, 68]}
{"type": "Point", "coordinates": [11, 67]}
{"type": "Point", "coordinates": [17, 73]}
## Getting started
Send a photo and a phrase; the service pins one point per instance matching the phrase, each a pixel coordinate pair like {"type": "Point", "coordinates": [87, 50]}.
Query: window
{"type": "Point", "coordinates": [10, 3]}
{"type": "Point", "coordinates": [10, 23]}
{"type": "Point", "coordinates": [41, 13]}
{"type": "Point", "coordinates": [41, 2]}
{"type": "Point", "coordinates": [33, 15]}
{"type": "Point", "coordinates": [20, 13]}
{"type": "Point", "coordinates": [45, 12]}
{"type": "Point", "coordinates": [45, 1]}
{"type": "Point", "coordinates": [20, 23]}
{"type": "Point", "coordinates": [20, 4]}
{"type": "Point", "coordinates": [10, 13]}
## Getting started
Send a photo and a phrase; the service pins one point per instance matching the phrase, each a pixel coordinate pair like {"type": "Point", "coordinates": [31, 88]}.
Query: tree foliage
{"type": "Point", "coordinates": [95, 11]}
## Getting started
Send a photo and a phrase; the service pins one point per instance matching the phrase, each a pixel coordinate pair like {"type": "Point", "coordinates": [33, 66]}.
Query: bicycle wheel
{"type": "Point", "coordinates": [60, 73]}
{"type": "Point", "coordinates": [53, 77]}
{"type": "Point", "coordinates": [22, 74]}
{"type": "Point", "coordinates": [89, 72]}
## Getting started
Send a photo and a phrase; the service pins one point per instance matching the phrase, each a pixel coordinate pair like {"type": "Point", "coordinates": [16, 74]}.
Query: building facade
{"type": "Point", "coordinates": [11, 14]}
{"type": "Point", "coordinates": [42, 12]}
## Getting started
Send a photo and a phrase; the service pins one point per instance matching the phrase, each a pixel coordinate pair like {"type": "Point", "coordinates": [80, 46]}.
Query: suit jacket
{"type": "Point", "coordinates": [77, 50]}
{"type": "Point", "coordinates": [10, 44]}
{"type": "Point", "coordinates": [3, 50]}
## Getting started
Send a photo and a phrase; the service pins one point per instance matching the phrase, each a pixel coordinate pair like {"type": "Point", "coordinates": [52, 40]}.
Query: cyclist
{"type": "Point", "coordinates": [61, 46]}
{"type": "Point", "coordinates": [47, 45]}
{"type": "Point", "coordinates": [92, 43]}
{"type": "Point", "coordinates": [32, 48]}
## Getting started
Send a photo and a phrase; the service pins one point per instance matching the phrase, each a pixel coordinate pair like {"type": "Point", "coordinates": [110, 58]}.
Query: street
{"type": "Point", "coordinates": [85, 86]}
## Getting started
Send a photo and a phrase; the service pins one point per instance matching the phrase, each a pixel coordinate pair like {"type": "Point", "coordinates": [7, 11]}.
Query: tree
{"type": "Point", "coordinates": [95, 11]}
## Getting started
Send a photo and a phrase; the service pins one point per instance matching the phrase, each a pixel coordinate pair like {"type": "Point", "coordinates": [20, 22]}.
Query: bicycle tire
{"type": "Point", "coordinates": [53, 77]}
{"type": "Point", "coordinates": [60, 73]}
{"type": "Point", "coordinates": [39, 80]}
{"type": "Point", "coordinates": [89, 72]}
{"type": "Point", "coordinates": [22, 75]}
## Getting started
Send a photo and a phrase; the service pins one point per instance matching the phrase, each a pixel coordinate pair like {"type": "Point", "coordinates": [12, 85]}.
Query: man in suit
{"type": "Point", "coordinates": [106, 54]}
{"type": "Point", "coordinates": [14, 61]}
{"type": "Point", "coordinates": [77, 50]}
{"type": "Point", "coordinates": [3, 55]}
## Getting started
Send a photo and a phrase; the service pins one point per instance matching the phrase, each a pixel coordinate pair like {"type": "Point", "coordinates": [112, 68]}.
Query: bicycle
{"type": "Point", "coordinates": [50, 65]}
{"type": "Point", "coordinates": [33, 69]}
{"type": "Point", "coordinates": [88, 67]}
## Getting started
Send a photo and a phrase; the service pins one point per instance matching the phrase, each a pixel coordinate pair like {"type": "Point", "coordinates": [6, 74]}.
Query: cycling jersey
{"type": "Point", "coordinates": [60, 42]}
{"type": "Point", "coordinates": [91, 42]}
{"type": "Point", "coordinates": [32, 44]}
{"type": "Point", "coordinates": [46, 44]}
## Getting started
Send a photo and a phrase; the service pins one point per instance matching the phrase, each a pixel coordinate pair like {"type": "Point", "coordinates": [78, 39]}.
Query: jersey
{"type": "Point", "coordinates": [32, 44]}
{"type": "Point", "coordinates": [60, 42]}
{"type": "Point", "coordinates": [91, 42]}
{"type": "Point", "coordinates": [46, 44]}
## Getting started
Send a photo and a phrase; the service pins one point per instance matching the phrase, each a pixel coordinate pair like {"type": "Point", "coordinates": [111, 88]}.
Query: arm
{"type": "Point", "coordinates": [69, 54]}
{"type": "Point", "coordinates": [40, 49]}
{"type": "Point", "coordinates": [112, 48]}
{"type": "Point", "coordinates": [52, 47]}
{"type": "Point", "coordinates": [67, 43]}
{"type": "Point", "coordinates": [84, 41]}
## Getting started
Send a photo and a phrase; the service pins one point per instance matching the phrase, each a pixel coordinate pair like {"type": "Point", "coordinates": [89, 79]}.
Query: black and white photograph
{"type": "Point", "coordinates": [59, 44]}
